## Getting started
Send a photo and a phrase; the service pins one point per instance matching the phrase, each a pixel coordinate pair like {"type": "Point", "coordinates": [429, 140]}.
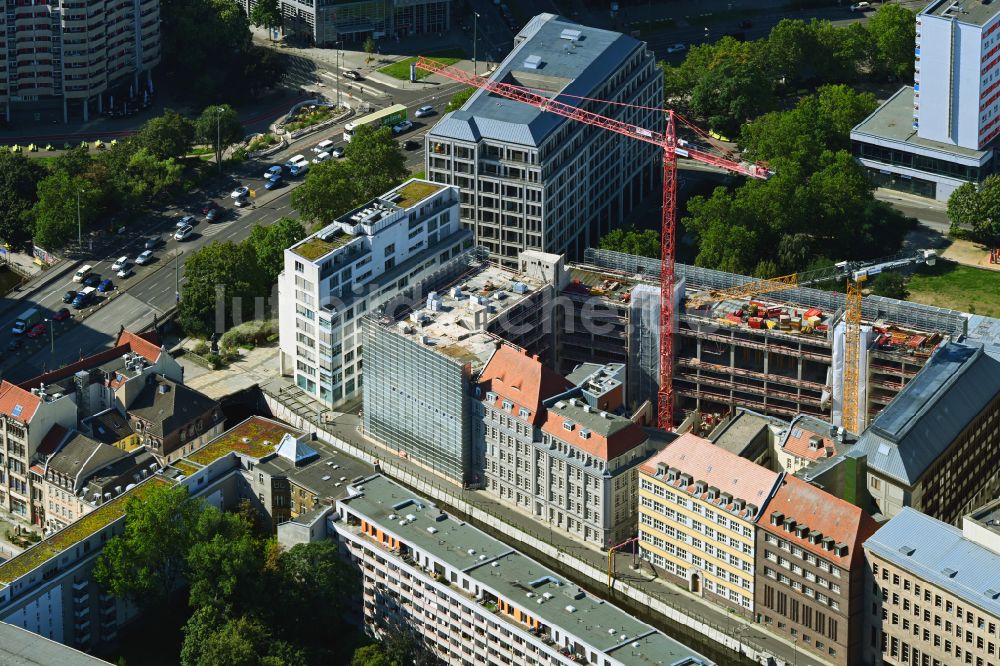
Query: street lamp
{"type": "Point", "coordinates": [177, 276]}
{"type": "Point", "coordinates": [339, 56]}
{"type": "Point", "coordinates": [475, 41]}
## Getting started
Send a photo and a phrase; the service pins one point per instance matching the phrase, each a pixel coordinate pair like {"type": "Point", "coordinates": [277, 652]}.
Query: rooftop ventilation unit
{"type": "Point", "coordinates": [571, 35]}
{"type": "Point", "coordinates": [533, 62]}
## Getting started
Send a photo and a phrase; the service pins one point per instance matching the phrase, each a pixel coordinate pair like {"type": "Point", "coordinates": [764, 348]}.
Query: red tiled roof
{"type": "Point", "coordinates": [822, 512]}
{"type": "Point", "coordinates": [53, 438]}
{"type": "Point", "coordinates": [797, 443]}
{"type": "Point", "coordinates": [127, 342]}
{"type": "Point", "coordinates": [12, 397]}
{"type": "Point", "coordinates": [717, 467]}
{"type": "Point", "coordinates": [606, 448]}
{"type": "Point", "coordinates": [522, 379]}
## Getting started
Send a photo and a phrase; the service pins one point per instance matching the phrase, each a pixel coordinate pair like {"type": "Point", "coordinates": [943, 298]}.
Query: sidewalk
{"type": "Point", "coordinates": [696, 619]}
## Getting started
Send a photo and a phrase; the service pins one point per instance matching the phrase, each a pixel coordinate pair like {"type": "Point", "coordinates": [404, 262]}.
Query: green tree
{"type": "Point", "coordinates": [19, 178]}
{"type": "Point", "coordinates": [327, 191]}
{"type": "Point", "coordinates": [222, 285]}
{"type": "Point", "coordinates": [225, 563]}
{"type": "Point", "coordinates": [732, 92]}
{"type": "Point", "coordinates": [978, 209]}
{"type": "Point", "coordinates": [212, 639]}
{"type": "Point", "coordinates": [371, 655]}
{"type": "Point", "coordinates": [55, 212]}
{"type": "Point", "coordinates": [890, 284]}
{"type": "Point", "coordinates": [459, 98]}
{"type": "Point", "coordinates": [370, 47]}
{"type": "Point", "coordinates": [965, 207]}
{"type": "Point", "coordinates": [315, 584]}
{"type": "Point", "coordinates": [149, 176]}
{"type": "Point", "coordinates": [219, 126]}
{"type": "Point", "coordinates": [269, 244]}
{"type": "Point", "coordinates": [169, 135]}
{"type": "Point", "coordinates": [893, 29]}
{"type": "Point", "coordinates": [645, 243]}
{"type": "Point", "coordinates": [376, 161]}
{"type": "Point", "coordinates": [146, 563]}
{"type": "Point", "coordinates": [262, 69]}
{"type": "Point", "coordinates": [267, 13]}
{"type": "Point", "coordinates": [791, 48]}
{"type": "Point", "coordinates": [73, 162]}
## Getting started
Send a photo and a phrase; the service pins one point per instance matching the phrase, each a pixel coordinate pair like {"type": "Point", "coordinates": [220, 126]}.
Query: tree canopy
{"type": "Point", "coordinates": [223, 283]}
{"type": "Point", "coordinates": [55, 214]}
{"type": "Point", "coordinates": [977, 209]}
{"type": "Point", "coordinates": [219, 126]}
{"type": "Point", "coordinates": [166, 136]}
{"type": "Point", "coordinates": [269, 245]}
{"type": "Point", "coordinates": [19, 178]}
{"type": "Point", "coordinates": [645, 243]}
{"type": "Point", "coordinates": [267, 14]}
{"type": "Point", "coordinates": [459, 98]}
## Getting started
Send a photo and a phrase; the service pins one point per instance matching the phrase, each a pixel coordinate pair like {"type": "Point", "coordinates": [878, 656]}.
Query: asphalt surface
{"type": "Point", "coordinates": [152, 289]}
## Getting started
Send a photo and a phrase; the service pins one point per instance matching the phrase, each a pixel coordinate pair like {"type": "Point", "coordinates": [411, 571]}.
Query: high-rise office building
{"type": "Point", "coordinates": [532, 180]}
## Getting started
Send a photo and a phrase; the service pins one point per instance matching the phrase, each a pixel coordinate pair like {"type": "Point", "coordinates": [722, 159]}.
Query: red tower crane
{"type": "Point", "coordinates": [671, 147]}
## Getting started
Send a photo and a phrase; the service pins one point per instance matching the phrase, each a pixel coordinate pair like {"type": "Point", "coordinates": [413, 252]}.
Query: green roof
{"type": "Point", "coordinates": [316, 247]}
{"type": "Point", "coordinates": [74, 533]}
{"type": "Point", "coordinates": [256, 437]}
{"type": "Point", "coordinates": [415, 191]}
{"type": "Point", "coordinates": [186, 466]}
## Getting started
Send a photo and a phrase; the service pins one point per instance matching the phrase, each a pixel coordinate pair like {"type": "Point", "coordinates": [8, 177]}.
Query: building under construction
{"type": "Point", "coordinates": [780, 353]}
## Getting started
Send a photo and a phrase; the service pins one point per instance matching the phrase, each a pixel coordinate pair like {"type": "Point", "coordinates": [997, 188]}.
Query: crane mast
{"type": "Point", "coordinates": [666, 141]}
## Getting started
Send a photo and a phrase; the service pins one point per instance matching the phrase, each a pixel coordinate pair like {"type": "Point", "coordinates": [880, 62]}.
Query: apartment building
{"type": "Point", "coordinates": [553, 451]}
{"type": "Point", "coordinates": [378, 256]}
{"type": "Point", "coordinates": [532, 180]}
{"type": "Point", "coordinates": [474, 600]}
{"type": "Point", "coordinates": [351, 22]}
{"type": "Point", "coordinates": [75, 53]}
{"type": "Point", "coordinates": [936, 447]}
{"type": "Point", "coordinates": [937, 600]}
{"type": "Point", "coordinates": [807, 441]}
{"type": "Point", "coordinates": [812, 575]}
{"type": "Point", "coordinates": [698, 505]}
{"type": "Point", "coordinates": [173, 420]}
{"type": "Point", "coordinates": [421, 367]}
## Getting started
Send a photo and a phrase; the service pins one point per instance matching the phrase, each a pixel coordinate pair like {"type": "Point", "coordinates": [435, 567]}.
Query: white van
{"type": "Point", "coordinates": [322, 157]}
{"type": "Point", "coordinates": [295, 160]}
{"type": "Point", "coordinates": [82, 274]}
{"type": "Point", "coordinates": [323, 146]}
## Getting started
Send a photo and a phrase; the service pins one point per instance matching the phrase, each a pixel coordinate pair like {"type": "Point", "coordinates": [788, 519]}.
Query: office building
{"type": "Point", "coordinates": [936, 447]}
{"type": "Point", "coordinates": [421, 367]}
{"type": "Point", "coordinates": [697, 508]}
{"type": "Point", "coordinates": [532, 180]}
{"type": "Point", "coordinates": [937, 599]}
{"type": "Point", "coordinates": [76, 55]}
{"type": "Point", "coordinates": [930, 138]}
{"type": "Point", "coordinates": [812, 575]}
{"type": "Point", "coordinates": [474, 600]}
{"type": "Point", "coordinates": [557, 452]}
{"type": "Point", "coordinates": [377, 256]}
{"type": "Point", "coordinates": [351, 22]}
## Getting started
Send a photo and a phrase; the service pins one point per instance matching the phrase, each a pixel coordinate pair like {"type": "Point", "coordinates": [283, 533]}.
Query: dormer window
{"type": "Point", "coordinates": [568, 425]}
{"type": "Point", "coordinates": [491, 397]}
{"type": "Point", "coordinates": [585, 434]}
{"type": "Point", "coordinates": [523, 413]}
{"type": "Point", "coordinates": [507, 404]}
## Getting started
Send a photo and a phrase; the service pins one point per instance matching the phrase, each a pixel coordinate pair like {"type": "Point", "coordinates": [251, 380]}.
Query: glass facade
{"type": "Point", "coordinates": [895, 181]}
{"type": "Point", "coordinates": [930, 165]}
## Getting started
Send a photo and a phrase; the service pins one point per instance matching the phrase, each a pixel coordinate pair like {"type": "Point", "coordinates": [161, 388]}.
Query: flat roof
{"type": "Point", "coordinates": [255, 437]}
{"type": "Point", "coordinates": [23, 647]}
{"type": "Point", "coordinates": [450, 327]}
{"type": "Point", "coordinates": [537, 590]}
{"type": "Point", "coordinates": [893, 120]}
{"type": "Point", "coordinates": [975, 12]}
{"type": "Point", "coordinates": [988, 516]}
{"type": "Point", "coordinates": [737, 435]}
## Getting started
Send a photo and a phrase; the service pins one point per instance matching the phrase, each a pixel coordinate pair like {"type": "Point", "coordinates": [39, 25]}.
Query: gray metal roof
{"type": "Point", "coordinates": [574, 67]}
{"type": "Point", "coordinates": [984, 329]}
{"type": "Point", "coordinates": [20, 647]}
{"type": "Point", "coordinates": [929, 548]}
{"type": "Point", "coordinates": [954, 386]}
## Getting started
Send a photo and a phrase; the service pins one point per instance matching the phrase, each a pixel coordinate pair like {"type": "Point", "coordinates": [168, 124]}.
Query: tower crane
{"type": "Point", "coordinates": [672, 148]}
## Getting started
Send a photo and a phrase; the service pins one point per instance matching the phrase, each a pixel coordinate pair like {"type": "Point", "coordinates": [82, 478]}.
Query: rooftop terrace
{"type": "Point", "coordinates": [318, 246]}
{"type": "Point", "coordinates": [255, 438]}
{"type": "Point", "coordinates": [77, 531]}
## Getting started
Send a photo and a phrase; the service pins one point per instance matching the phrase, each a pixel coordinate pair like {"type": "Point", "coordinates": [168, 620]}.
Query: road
{"type": "Point", "coordinates": [152, 290]}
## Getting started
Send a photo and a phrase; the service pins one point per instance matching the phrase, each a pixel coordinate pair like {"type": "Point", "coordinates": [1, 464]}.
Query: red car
{"type": "Point", "coordinates": [37, 331]}
{"type": "Point", "coordinates": [61, 315]}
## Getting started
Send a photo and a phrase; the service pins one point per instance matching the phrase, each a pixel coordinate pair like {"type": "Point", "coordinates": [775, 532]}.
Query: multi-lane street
{"type": "Point", "coordinates": [152, 290]}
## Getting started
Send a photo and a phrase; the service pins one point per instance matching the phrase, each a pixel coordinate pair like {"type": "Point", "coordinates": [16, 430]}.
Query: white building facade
{"type": "Point", "coordinates": [369, 258]}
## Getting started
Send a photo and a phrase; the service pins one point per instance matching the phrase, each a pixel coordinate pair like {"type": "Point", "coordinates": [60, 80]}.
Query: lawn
{"type": "Point", "coordinates": [957, 287]}
{"type": "Point", "coordinates": [401, 70]}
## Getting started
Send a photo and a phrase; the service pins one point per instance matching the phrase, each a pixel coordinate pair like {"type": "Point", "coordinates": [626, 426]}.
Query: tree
{"type": "Point", "coordinates": [146, 563]}
{"type": "Point", "coordinates": [267, 13]}
{"type": "Point", "coordinates": [19, 178]}
{"type": "Point", "coordinates": [73, 162]}
{"type": "Point", "coordinates": [376, 161]}
{"type": "Point", "coordinates": [169, 135]}
{"type": "Point", "coordinates": [732, 92]}
{"type": "Point", "coordinates": [327, 191]}
{"type": "Point", "coordinates": [645, 243]}
{"type": "Point", "coordinates": [149, 176]}
{"type": "Point", "coordinates": [212, 639]}
{"type": "Point", "coordinates": [370, 48]}
{"type": "Point", "coordinates": [893, 29]}
{"type": "Point", "coordinates": [371, 655]}
{"type": "Point", "coordinates": [459, 98]}
{"type": "Point", "coordinates": [890, 284]}
{"type": "Point", "coordinates": [977, 209]}
{"type": "Point", "coordinates": [224, 565]}
{"type": "Point", "coordinates": [262, 69]}
{"type": "Point", "coordinates": [219, 126]}
{"type": "Point", "coordinates": [55, 212]}
{"type": "Point", "coordinates": [791, 49]}
{"type": "Point", "coordinates": [222, 286]}
{"type": "Point", "coordinates": [314, 586]}
{"type": "Point", "coordinates": [269, 244]}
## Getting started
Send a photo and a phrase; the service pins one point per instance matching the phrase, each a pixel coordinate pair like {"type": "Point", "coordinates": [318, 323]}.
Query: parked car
{"type": "Point", "coordinates": [105, 286]}
{"type": "Point", "coordinates": [410, 144]}
{"type": "Point", "coordinates": [322, 157]}
{"type": "Point", "coordinates": [152, 242]}
{"type": "Point", "coordinates": [186, 221]}
{"type": "Point", "coordinates": [276, 170]}
{"type": "Point", "coordinates": [92, 280]}
{"type": "Point", "coordinates": [119, 264]}
{"type": "Point", "coordinates": [404, 126]}
{"type": "Point", "coordinates": [272, 183]}
{"type": "Point", "coordinates": [125, 272]}
{"type": "Point", "coordinates": [144, 258]}
{"type": "Point", "coordinates": [209, 206]}
{"type": "Point", "coordinates": [323, 146]}
{"type": "Point", "coordinates": [337, 152]}
{"type": "Point", "coordinates": [183, 233]}
{"type": "Point", "coordinates": [240, 192]}
{"type": "Point", "coordinates": [215, 214]}
{"type": "Point", "coordinates": [677, 48]}
{"type": "Point", "coordinates": [82, 274]}
{"type": "Point", "coordinates": [353, 75]}
{"type": "Point", "coordinates": [861, 7]}
{"type": "Point", "coordinates": [424, 111]}
{"type": "Point", "coordinates": [38, 330]}
{"type": "Point", "coordinates": [69, 296]}
{"type": "Point", "coordinates": [61, 315]}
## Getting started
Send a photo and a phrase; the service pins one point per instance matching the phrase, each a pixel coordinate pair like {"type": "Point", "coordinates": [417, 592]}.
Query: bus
{"type": "Point", "coordinates": [385, 118]}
